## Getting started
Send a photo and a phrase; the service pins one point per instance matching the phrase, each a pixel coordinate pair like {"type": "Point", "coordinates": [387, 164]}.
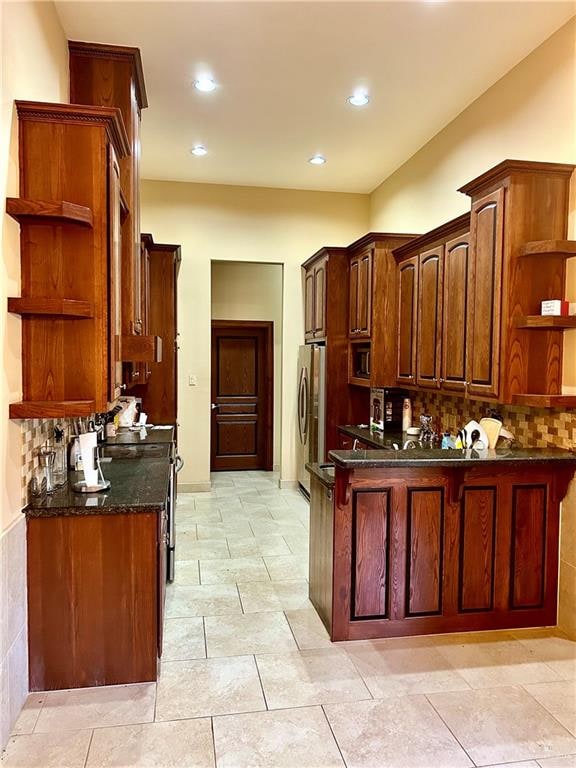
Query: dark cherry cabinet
{"type": "Point", "coordinates": [315, 286]}
{"type": "Point", "coordinates": [114, 279]}
{"type": "Point", "coordinates": [407, 321]}
{"type": "Point", "coordinates": [455, 312]}
{"type": "Point", "coordinates": [428, 550]}
{"type": "Point", "coordinates": [360, 302]}
{"type": "Point", "coordinates": [485, 295]}
{"type": "Point", "coordinates": [429, 325]}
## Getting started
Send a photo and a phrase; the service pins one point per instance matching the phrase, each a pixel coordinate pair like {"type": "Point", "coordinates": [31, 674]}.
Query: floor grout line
{"type": "Point", "coordinates": [261, 683]}
{"type": "Point", "coordinates": [333, 734]}
{"type": "Point", "coordinates": [88, 750]}
{"type": "Point", "coordinates": [426, 696]}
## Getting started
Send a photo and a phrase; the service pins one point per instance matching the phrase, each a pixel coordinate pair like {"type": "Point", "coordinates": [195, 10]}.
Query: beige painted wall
{"type": "Point", "coordinates": [530, 115]}
{"type": "Point", "coordinates": [26, 27]}
{"type": "Point", "coordinates": [226, 223]}
{"type": "Point", "coordinates": [246, 291]}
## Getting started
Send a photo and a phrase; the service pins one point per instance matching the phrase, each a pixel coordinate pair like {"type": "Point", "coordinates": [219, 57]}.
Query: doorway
{"type": "Point", "coordinates": [242, 395]}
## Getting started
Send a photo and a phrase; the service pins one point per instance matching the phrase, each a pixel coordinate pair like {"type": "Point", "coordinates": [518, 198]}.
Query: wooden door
{"type": "Point", "coordinates": [114, 280]}
{"type": "Point", "coordinates": [353, 303]}
{"type": "Point", "coordinates": [485, 295]}
{"type": "Point", "coordinates": [407, 330]}
{"type": "Point", "coordinates": [309, 309]}
{"type": "Point", "coordinates": [242, 395]}
{"type": "Point", "coordinates": [320, 300]}
{"type": "Point", "coordinates": [364, 305]}
{"type": "Point", "coordinates": [455, 313]}
{"type": "Point", "coordinates": [429, 339]}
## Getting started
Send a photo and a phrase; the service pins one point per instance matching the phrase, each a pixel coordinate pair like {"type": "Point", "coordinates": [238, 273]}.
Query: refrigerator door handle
{"type": "Point", "coordinates": [303, 406]}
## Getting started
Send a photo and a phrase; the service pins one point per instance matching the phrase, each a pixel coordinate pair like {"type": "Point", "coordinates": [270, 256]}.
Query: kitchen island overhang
{"type": "Point", "coordinates": [430, 541]}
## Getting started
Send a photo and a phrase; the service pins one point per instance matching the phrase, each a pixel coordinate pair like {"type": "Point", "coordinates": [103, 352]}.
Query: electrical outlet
{"type": "Point", "coordinates": [192, 380]}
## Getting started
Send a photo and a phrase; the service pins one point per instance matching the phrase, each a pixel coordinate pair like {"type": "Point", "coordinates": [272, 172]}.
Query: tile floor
{"type": "Point", "coordinates": [249, 678]}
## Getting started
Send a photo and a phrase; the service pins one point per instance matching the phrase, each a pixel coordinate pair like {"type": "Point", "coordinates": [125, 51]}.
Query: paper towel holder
{"type": "Point", "coordinates": [101, 485]}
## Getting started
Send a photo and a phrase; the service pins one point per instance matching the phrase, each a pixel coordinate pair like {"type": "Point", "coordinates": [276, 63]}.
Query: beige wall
{"type": "Point", "coordinates": [246, 291]}
{"type": "Point", "coordinates": [27, 28]}
{"type": "Point", "coordinates": [226, 223]}
{"type": "Point", "coordinates": [527, 115]}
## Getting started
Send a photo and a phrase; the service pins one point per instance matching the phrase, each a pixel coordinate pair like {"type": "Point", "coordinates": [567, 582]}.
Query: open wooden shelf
{"type": "Point", "coordinates": [25, 210]}
{"type": "Point", "coordinates": [58, 307]}
{"type": "Point", "coordinates": [358, 381]}
{"type": "Point", "coordinates": [545, 401]}
{"type": "Point", "coordinates": [142, 349]}
{"type": "Point", "coordinates": [565, 248]}
{"type": "Point", "coordinates": [51, 409]}
{"type": "Point", "coordinates": [544, 322]}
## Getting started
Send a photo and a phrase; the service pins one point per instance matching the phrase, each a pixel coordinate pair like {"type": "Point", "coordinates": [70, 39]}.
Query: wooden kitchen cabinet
{"type": "Point", "coordinates": [429, 314]}
{"type": "Point", "coordinates": [360, 303]}
{"type": "Point", "coordinates": [314, 278]}
{"type": "Point", "coordinates": [456, 308]}
{"type": "Point", "coordinates": [69, 219]}
{"type": "Point", "coordinates": [407, 321]}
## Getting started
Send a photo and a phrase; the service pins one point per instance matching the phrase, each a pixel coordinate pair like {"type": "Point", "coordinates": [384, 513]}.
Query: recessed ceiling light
{"type": "Point", "coordinates": [317, 160]}
{"type": "Point", "coordinates": [199, 150]}
{"type": "Point", "coordinates": [205, 84]}
{"type": "Point", "coordinates": [358, 99]}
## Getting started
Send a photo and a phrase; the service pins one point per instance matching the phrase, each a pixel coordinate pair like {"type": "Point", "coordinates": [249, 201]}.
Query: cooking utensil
{"type": "Point", "coordinates": [493, 429]}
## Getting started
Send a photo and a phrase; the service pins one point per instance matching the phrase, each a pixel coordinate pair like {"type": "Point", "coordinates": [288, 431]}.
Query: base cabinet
{"type": "Point", "coordinates": [95, 599]}
{"type": "Point", "coordinates": [423, 551]}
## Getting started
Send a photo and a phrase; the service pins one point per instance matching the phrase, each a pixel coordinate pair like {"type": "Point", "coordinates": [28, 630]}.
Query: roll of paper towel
{"type": "Point", "coordinates": [88, 443]}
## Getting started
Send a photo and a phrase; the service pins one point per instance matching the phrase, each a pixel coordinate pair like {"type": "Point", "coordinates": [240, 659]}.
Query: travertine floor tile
{"type": "Point", "coordinates": [233, 528]}
{"type": "Point", "coordinates": [232, 570]}
{"type": "Point", "coordinates": [287, 567]}
{"type": "Point", "coordinates": [203, 549]}
{"type": "Point", "coordinates": [186, 573]}
{"type": "Point", "coordinates": [559, 699]}
{"type": "Point", "coordinates": [308, 629]}
{"type": "Point", "coordinates": [489, 660]}
{"type": "Point", "coordinates": [177, 744]}
{"type": "Point", "coordinates": [289, 738]}
{"type": "Point", "coordinates": [402, 666]}
{"type": "Point", "coordinates": [202, 600]}
{"type": "Point", "coordinates": [499, 725]}
{"type": "Point", "coordinates": [298, 543]}
{"type": "Point", "coordinates": [553, 648]}
{"type": "Point", "coordinates": [205, 515]}
{"type": "Point", "coordinates": [305, 678]}
{"type": "Point", "coordinates": [258, 546]}
{"type": "Point", "coordinates": [523, 764]}
{"type": "Point", "coordinates": [257, 596]}
{"type": "Point", "coordinates": [28, 717]}
{"type": "Point", "coordinates": [208, 687]}
{"type": "Point", "coordinates": [97, 707]}
{"type": "Point", "coordinates": [183, 639]}
{"type": "Point", "coordinates": [249, 633]}
{"type": "Point", "coordinates": [403, 732]}
{"type": "Point", "coordinates": [47, 750]}
{"type": "Point", "coordinates": [566, 761]}
{"type": "Point", "coordinates": [266, 527]}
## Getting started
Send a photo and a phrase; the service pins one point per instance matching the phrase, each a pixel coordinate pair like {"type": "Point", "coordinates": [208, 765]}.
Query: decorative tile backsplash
{"type": "Point", "coordinates": [35, 432]}
{"type": "Point", "coordinates": [532, 427]}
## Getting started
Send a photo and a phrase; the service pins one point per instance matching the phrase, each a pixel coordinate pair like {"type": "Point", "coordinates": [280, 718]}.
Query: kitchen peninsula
{"type": "Point", "coordinates": [426, 541]}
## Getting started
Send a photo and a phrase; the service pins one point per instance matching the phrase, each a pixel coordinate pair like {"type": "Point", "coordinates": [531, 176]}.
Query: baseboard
{"type": "Point", "coordinates": [288, 484]}
{"type": "Point", "coordinates": [194, 487]}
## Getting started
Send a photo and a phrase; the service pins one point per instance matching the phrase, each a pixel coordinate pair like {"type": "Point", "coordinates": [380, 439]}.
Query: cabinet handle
{"type": "Point", "coordinates": [121, 386]}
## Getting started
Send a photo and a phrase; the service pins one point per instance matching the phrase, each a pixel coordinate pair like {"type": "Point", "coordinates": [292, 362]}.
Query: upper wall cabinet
{"type": "Point", "coordinates": [360, 303]}
{"type": "Point", "coordinates": [314, 279]}
{"type": "Point", "coordinates": [112, 76]}
{"type": "Point", "coordinates": [69, 214]}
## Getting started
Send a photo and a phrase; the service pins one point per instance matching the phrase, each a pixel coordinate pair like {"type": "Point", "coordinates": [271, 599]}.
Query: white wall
{"type": "Point", "coordinates": [34, 66]}
{"type": "Point", "coordinates": [245, 291]}
{"type": "Point", "coordinates": [226, 223]}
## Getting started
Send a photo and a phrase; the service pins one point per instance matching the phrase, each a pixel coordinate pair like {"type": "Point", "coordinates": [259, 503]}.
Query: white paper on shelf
{"type": "Point", "coordinates": [88, 443]}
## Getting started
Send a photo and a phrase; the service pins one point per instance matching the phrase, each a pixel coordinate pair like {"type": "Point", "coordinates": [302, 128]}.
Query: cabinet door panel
{"type": "Point", "coordinates": [429, 317]}
{"type": "Point", "coordinates": [425, 540]}
{"type": "Point", "coordinates": [485, 293]}
{"type": "Point", "coordinates": [407, 298]}
{"type": "Point", "coordinates": [370, 531]}
{"type": "Point", "coordinates": [528, 546]}
{"type": "Point", "coordinates": [320, 300]}
{"type": "Point", "coordinates": [477, 549]}
{"type": "Point", "coordinates": [455, 313]}
{"type": "Point", "coordinates": [364, 311]}
{"type": "Point", "coordinates": [353, 305]}
{"type": "Point", "coordinates": [309, 304]}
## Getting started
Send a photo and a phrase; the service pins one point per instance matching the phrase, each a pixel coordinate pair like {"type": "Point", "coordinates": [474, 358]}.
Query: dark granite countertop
{"type": "Point", "coordinates": [126, 436]}
{"type": "Point", "coordinates": [376, 439]}
{"type": "Point", "coordinates": [137, 485]}
{"type": "Point", "coordinates": [323, 473]}
{"type": "Point", "coordinates": [436, 457]}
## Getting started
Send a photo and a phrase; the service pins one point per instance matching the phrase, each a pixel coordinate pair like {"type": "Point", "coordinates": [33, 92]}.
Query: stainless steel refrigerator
{"type": "Point", "coordinates": [311, 429]}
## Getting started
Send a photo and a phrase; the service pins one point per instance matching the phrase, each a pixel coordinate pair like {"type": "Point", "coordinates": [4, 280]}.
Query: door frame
{"type": "Point", "coordinates": [267, 326]}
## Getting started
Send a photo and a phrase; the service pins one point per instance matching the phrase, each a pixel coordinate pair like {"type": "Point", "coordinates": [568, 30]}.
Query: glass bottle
{"type": "Point", "coordinates": [60, 469]}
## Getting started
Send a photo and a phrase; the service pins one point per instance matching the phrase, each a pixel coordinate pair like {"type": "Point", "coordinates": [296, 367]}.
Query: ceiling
{"type": "Point", "coordinates": [285, 69]}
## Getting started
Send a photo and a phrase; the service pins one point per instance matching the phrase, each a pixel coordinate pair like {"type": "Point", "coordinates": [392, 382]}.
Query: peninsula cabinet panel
{"type": "Point", "coordinates": [430, 550]}
{"type": "Point", "coordinates": [485, 293]}
{"type": "Point", "coordinates": [407, 320]}
{"type": "Point", "coordinates": [455, 313]}
{"type": "Point", "coordinates": [371, 525]}
{"type": "Point", "coordinates": [321, 549]}
{"type": "Point", "coordinates": [429, 339]}
{"type": "Point", "coordinates": [425, 548]}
